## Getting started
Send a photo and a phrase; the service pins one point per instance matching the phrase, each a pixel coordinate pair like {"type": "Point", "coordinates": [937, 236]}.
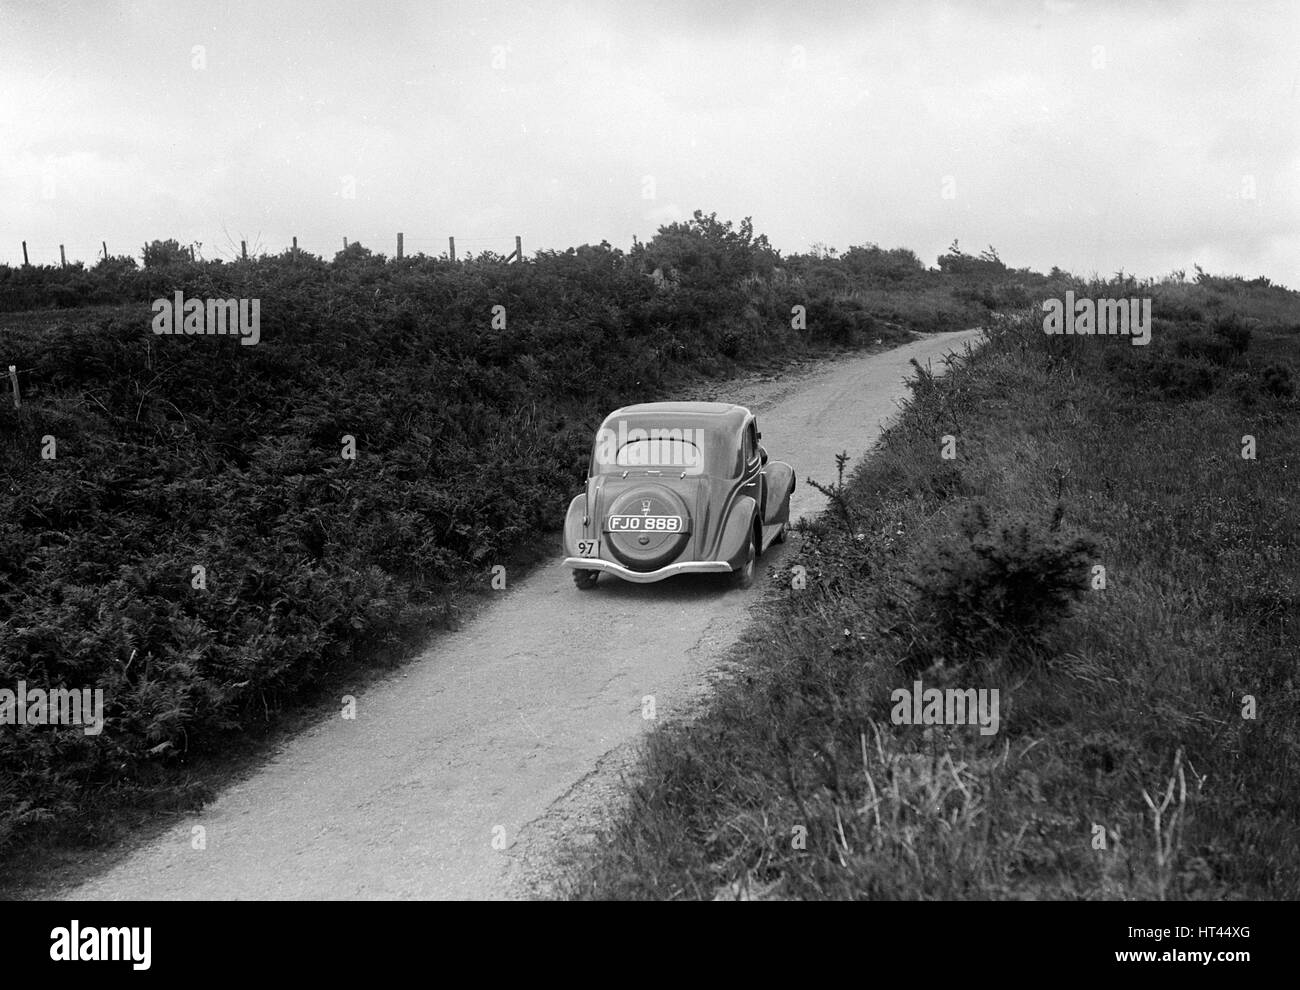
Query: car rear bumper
{"type": "Point", "coordinates": [645, 577]}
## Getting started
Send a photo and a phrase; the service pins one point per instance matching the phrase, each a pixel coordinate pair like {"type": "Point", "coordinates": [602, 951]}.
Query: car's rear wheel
{"type": "Point", "coordinates": [585, 580]}
{"type": "Point", "coordinates": [743, 576]}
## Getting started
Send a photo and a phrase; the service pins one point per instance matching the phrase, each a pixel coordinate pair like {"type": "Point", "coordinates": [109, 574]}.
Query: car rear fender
{"type": "Point", "coordinates": [574, 530]}
{"type": "Point", "coordinates": [778, 479]}
{"type": "Point", "coordinates": [739, 528]}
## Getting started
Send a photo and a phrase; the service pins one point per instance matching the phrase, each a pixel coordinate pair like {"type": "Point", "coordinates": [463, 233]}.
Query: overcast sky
{"type": "Point", "coordinates": [1094, 136]}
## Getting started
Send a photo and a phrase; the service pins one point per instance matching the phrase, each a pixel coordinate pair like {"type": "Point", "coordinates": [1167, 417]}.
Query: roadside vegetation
{"type": "Point", "coordinates": [471, 426]}
{"type": "Point", "coordinates": [1149, 733]}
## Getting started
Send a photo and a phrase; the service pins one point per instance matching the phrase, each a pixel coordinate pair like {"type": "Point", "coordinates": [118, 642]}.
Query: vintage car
{"type": "Point", "coordinates": [677, 488]}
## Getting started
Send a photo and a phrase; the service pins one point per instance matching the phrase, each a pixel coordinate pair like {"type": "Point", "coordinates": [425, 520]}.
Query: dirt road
{"type": "Point", "coordinates": [425, 793]}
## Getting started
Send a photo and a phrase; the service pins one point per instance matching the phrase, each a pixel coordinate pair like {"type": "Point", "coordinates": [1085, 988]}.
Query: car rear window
{"type": "Point", "coordinates": [671, 451]}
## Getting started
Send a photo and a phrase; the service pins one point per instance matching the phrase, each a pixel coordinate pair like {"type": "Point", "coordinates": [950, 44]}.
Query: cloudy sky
{"type": "Point", "coordinates": [1091, 135]}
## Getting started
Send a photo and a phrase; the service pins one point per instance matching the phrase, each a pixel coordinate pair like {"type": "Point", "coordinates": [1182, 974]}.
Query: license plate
{"type": "Point", "coordinates": [645, 524]}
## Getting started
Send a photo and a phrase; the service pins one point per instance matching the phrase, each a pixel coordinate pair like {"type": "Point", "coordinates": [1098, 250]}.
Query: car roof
{"type": "Point", "coordinates": [709, 415]}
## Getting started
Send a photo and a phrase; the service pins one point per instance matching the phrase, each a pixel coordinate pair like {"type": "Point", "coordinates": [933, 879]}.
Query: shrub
{"type": "Point", "coordinates": [1244, 389]}
{"type": "Point", "coordinates": [158, 254]}
{"type": "Point", "coordinates": [1161, 374]}
{"type": "Point", "coordinates": [1232, 330]}
{"type": "Point", "coordinates": [986, 265]}
{"type": "Point", "coordinates": [875, 264]}
{"type": "Point", "coordinates": [1214, 349]}
{"type": "Point", "coordinates": [1277, 381]}
{"type": "Point", "coordinates": [991, 586]}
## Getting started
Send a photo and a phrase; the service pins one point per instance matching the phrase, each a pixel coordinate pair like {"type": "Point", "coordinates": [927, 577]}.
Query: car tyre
{"type": "Point", "coordinates": [743, 576]}
{"type": "Point", "coordinates": [585, 580]}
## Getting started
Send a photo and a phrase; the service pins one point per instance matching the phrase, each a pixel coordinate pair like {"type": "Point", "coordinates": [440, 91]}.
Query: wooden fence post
{"type": "Point", "coordinates": [13, 377]}
{"type": "Point", "coordinates": [25, 261]}
{"type": "Point", "coordinates": [105, 246]}
{"type": "Point", "coordinates": [345, 244]}
{"type": "Point", "coordinates": [243, 250]}
{"type": "Point", "coordinates": [519, 249]}
{"type": "Point", "coordinates": [295, 248]}
{"type": "Point", "coordinates": [63, 259]}
{"type": "Point", "coordinates": [399, 245]}
{"type": "Point", "coordinates": [451, 241]}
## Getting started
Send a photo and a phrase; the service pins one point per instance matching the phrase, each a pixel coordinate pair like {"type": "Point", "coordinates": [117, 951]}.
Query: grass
{"type": "Point", "coordinates": [1125, 766]}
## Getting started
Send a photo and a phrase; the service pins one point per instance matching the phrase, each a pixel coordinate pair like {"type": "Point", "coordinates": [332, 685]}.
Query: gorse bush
{"type": "Point", "coordinates": [995, 584]}
{"type": "Point", "coordinates": [158, 254]}
{"type": "Point", "coordinates": [985, 265]}
{"type": "Point", "coordinates": [1234, 331]}
{"type": "Point", "coordinates": [1161, 373]}
{"type": "Point", "coordinates": [1277, 381]}
{"type": "Point", "coordinates": [705, 251]}
{"type": "Point", "coordinates": [880, 266]}
{"type": "Point", "coordinates": [1211, 349]}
